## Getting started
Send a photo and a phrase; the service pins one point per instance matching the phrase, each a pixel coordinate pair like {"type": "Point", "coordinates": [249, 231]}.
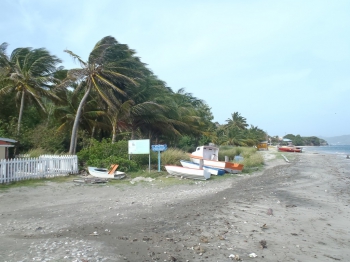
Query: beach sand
{"type": "Point", "coordinates": [297, 211]}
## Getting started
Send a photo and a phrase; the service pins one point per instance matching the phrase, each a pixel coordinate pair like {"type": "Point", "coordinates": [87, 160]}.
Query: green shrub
{"type": "Point", "coordinates": [104, 154]}
{"type": "Point", "coordinates": [250, 156]}
{"type": "Point", "coordinates": [143, 160]}
{"type": "Point", "coordinates": [125, 165]}
{"type": "Point", "coordinates": [229, 151]}
{"type": "Point", "coordinates": [38, 152]}
{"type": "Point", "coordinates": [103, 150]}
{"type": "Point", "coordinates": [252, 160]}
{"type": "Point", "coordinates": [172, 156]}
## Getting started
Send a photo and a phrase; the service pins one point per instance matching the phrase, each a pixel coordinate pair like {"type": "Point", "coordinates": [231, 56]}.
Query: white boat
{"type": "Point", "coordinates": [212, 170]}
{"type": "Point", "coordinates": [105, 173]}
{"type": "Point", "coordinates": [210, 156]}
{"type": "Point", "coordinates": [193, 173]}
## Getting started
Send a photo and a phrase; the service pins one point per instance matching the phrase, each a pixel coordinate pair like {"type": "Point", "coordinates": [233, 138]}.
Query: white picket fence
{"type": "Point", "coordinates": [44, 166]}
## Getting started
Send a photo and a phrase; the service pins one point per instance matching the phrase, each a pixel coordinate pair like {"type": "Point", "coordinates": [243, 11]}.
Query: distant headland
{"type": "Point", "coordinates": [338, 140]}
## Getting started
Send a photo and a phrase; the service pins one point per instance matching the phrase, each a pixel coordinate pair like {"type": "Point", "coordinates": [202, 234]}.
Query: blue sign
{"type": "Point", "coordinates": [157, 148]}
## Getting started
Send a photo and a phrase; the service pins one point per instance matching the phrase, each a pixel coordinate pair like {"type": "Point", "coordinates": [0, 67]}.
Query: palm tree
{"type": "Point", "coordinates": [111, 66]}
{"type": "Point", "coordinates": [66, 113]}
{"type": "Point", "coordinates": [30, 73]}
{"type": "Point", "coordinates": [237, 120]}
{"type": "Point", "coordinates": [118, 117]}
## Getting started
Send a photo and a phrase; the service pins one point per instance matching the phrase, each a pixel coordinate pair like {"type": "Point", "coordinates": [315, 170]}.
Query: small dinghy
{"type": "Point", "coordinates": [212, 170]}
{"type": "Point", "coordinates": [193, 173]}
{"type": "Point", "coordinates": [105, 173]}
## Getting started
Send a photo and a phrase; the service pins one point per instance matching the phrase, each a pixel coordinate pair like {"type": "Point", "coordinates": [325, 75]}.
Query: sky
{"type": "Point", "coordinates": [283, 65]}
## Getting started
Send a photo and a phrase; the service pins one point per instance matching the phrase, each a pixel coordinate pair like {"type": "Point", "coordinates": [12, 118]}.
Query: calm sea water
{"type": "Point", "coordinates": [341, 150]}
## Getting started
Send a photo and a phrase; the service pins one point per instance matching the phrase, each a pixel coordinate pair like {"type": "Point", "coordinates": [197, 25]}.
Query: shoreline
{"type": "Point", "coordinates": [297, 211]}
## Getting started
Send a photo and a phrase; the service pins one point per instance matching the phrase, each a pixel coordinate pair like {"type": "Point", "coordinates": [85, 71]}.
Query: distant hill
{"type": "Point", "coordinates": [338, 140]}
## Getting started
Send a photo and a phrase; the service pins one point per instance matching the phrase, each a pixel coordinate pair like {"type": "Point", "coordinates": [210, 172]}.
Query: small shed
{"type": "Point", "coordinates": [5, 144]}
{"type": "Point", "coordinates": [263, 145]}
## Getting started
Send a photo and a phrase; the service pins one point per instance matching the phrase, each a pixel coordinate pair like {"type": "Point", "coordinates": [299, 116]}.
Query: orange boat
{"type": "Point", "coordinates": [290, 149]}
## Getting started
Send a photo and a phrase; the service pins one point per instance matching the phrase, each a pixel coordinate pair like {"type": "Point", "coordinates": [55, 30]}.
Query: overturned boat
{"type": "Point", "coordinates": [210, 156]}
{"type": "Point", "coordinates": [105, 173]}
{"type": "Point", "coordinates": [290, 148]}
{"type": "Point", "coordinates": [212, 170]}
{"type": "Point", "coordinates": [186, 172]}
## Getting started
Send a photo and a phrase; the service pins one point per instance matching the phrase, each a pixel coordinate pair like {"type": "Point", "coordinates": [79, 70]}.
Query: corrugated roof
{"type": "Point", "coordinates": [7, 140]}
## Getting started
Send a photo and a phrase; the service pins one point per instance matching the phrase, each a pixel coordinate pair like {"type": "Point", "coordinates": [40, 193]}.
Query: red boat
{"type": "Point", "coordinates": [290, 149]}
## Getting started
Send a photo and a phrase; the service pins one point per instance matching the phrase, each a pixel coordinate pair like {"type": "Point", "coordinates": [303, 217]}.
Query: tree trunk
{"type": "Point", "coordinates": [20, 113]}
{"type": "Point", "coordinates": [132, 133]}
{"type": "Point", "coordinates": [73, 138]}
{"type": "Point", "coordinates": [93, 129]}
{"type": "Point", "coordinates": [114, 133]}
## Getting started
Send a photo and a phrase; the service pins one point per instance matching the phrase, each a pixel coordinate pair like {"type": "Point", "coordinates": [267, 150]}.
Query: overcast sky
{"type": "Point", "coordinates": [283, 65]}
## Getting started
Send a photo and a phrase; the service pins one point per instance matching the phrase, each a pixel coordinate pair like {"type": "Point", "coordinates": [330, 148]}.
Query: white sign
{"type": "Point", "coordinates": [137, 147]}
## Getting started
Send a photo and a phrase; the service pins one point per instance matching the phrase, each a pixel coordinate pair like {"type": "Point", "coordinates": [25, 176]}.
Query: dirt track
{"type": "Point", "coordinates": [303, 205]}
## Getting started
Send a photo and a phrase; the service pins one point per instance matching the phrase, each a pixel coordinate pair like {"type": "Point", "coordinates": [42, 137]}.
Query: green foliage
{"type": "Point", "coordinates": [172, 156]}
{"type": "Point", "coordinates": [229, 151]}
{"type": "Point", "coordinates": [305, 141]}
{"type": "Point", "coordinates": [48, 139]}
{"type": "Point", "coordinates": [102, 150]}
{"type": "Point", "coordinates": [36, 152]}
{"type": "Point", "coordinates": [251, 158]}
{"type": "Point", "coordinates": [187, 144]}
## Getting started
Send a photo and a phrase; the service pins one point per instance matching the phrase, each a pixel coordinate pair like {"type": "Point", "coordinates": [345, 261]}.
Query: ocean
{"type": "Point", "coordinates": [340, 150]}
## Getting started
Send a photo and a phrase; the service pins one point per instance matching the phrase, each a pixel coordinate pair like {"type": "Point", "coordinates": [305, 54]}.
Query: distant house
{"type": "Point", "coordinates": [5, 144]}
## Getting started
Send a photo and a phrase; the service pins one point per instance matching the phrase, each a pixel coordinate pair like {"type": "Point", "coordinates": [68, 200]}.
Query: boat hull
{"type": "Point", "coordinates": [290, 149]}
{"type": "Point", "coordinates": [230, 167]}
{"type": "Point", "coordinates": [212, 170]}
{"type": "Point", "coordinates": [103, 173]}
{"type": "Point", "coordinates": [192, 173]}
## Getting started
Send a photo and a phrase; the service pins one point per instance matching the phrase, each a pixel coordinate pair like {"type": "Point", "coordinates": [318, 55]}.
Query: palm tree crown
{"type": "Point", "coordinates": [30, 73]}
{"type": "Point", "coordinates": [111, 67]}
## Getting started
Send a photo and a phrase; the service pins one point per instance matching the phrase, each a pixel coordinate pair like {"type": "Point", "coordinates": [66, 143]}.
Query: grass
{"type": "Point", "coordinates": [37, 152]}
{"type": "Point", "coordinates": [172, 156]}
{"type": "Point", "coordinates": [252, 160]}
{"type": "Point", "coordinates": [35, 182]}
{"type": "Point", "coordinates": [289, 156]}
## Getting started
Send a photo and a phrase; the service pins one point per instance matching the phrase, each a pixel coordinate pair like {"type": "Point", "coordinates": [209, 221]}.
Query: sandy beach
{"type": "Point", "coordinates": [296, 211]}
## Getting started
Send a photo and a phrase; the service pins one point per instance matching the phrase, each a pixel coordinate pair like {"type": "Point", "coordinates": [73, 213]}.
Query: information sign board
{"type": "Point", "coordinates": [138, 147]}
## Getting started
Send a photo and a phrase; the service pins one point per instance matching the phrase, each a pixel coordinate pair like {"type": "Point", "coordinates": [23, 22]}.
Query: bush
{"type": "Point", "coordinates": [252, 160]}
{"type": "Point", "coordinates": [37, 152]}
{"type": "Point", "coordinates": [104, 154]}
{"type": "Point", "coordinates": [250, 156]}
{"type": "Point", "coordinates": [172, 156]}
{"type": "Point", "coordinates": [103, 150]}
{"type": "Point", "coordinates": [229, 151]}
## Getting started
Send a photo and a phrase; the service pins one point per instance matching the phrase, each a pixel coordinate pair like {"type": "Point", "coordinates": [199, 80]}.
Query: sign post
{"type": "Point", "coordinates": [159, 148]}
{"type": "Point", "coordinates": [140, 147]}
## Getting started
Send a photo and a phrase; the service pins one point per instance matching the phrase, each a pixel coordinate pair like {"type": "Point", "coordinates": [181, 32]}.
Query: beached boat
{"type": "Point", "coordinates": [193, 173]}
{"type": "Point", "coordinates": [105, 173]}
{"type": "Point", "coordinates": [290, 149]}
{"type": "Point", "coordinates": [210, 156]}
{"type": "Point", "coordinates": [212, 170]}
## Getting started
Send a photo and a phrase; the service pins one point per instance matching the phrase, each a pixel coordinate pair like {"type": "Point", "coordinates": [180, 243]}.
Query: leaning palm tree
{"type": "Point", "coordinates": [237, 120]}
{"type": "Point", "coordinates": [111, 66]}
{"type": "Point", "coordinates": [30, 73]}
